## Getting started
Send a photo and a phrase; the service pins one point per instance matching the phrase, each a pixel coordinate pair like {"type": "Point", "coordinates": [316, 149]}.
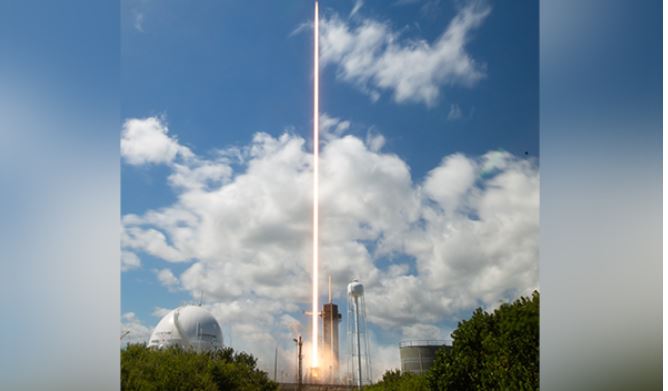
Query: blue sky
{"type": "Point", "coordinates": [457, 167]}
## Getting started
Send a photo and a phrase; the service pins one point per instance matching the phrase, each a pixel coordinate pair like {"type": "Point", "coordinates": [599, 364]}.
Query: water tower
{"type": "Point", "coordinates": [358, 341]}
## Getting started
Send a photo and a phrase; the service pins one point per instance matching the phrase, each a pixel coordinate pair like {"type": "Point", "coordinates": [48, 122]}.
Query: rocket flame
{"type": "Point", "coordinates": [316, 142]}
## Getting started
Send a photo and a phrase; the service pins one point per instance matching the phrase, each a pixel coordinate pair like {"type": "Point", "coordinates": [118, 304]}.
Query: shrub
{"type": "Point", "coordinates": [180, 370]}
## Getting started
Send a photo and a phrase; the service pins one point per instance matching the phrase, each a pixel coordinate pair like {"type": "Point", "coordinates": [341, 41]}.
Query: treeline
{"type": "Point", "coordinates": [490, 351]}
{"type": "Point", "coordinates": [180, 370]}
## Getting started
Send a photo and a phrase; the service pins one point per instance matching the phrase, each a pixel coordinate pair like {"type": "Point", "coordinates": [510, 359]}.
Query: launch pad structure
{"type": "Point", "coordinates": [328, 336]}
{"type": "Point", "coordinates": [331, 317]}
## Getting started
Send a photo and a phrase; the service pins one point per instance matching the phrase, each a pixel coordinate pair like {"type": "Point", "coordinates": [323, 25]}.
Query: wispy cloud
{"type": "Point", "coordinates": [356, 7]}
{"type": "Point", "coordinates": [375, 58]}
{"type": "Point", "coordinates": [302, 27]}
{"type": "Point", "coordinates": [455, 112]}
{"type": "Point", "coordinates": [139, 21]}
{"type": "Point", "coordinates": [137, 11]}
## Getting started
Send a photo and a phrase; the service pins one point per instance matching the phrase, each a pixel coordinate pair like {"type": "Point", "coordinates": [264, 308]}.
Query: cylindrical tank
{"type": "Point", "coordinates": [189, 327]}
{"type": "Point", "coordinates": [418, 356]}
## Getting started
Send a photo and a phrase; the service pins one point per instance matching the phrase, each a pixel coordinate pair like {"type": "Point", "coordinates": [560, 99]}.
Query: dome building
{"type": "Point", "coordinates": [188, 327]}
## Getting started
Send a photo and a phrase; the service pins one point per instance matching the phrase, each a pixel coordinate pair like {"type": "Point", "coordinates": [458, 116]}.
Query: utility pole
{"type": "Point", "coordinates": [275, 362]}
{"type": "Point", "coordinates": [299, 359]}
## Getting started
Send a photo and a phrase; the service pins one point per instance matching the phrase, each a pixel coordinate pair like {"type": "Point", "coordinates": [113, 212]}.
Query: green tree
{"type": "Point", "coordinates": [497, 351]}
{"type": "Point", "coordinates": [175, 369]}
{"type": "Point", "coordinates": [394, 380]}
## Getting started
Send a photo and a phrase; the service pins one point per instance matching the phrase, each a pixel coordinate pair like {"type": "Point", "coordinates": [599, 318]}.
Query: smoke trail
{"type": "Point", "coordinates": [316, 142]}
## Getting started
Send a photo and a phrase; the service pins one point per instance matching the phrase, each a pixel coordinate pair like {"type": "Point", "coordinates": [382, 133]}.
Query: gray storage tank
{"type": "Point", "coordinates": [417, 356]}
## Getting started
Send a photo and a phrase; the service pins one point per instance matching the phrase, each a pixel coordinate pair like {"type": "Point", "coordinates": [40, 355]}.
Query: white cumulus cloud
{"type": "Point", "coordinates": [431, 248]}
{"type": "Point", "coordinates": [374, 57]}
{"type": "Point", "coordinates": [146, 140]}
{"type": "Point", "coordinates": [167, 278]}
{"type": "Point", "coordinates": [133, 330]}
{"type": "Point", "coordinates": [129, 261]}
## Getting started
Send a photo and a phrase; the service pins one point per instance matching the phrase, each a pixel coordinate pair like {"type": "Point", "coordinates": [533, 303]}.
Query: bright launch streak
{"type": "Point", "coordinates": [316, 142]}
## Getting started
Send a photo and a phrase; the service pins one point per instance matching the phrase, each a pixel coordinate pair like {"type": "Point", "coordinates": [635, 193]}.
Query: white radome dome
{"type": "Point", "coordinates": [355, 289]}
{"type": "Point", "coordinates": [189, 327]}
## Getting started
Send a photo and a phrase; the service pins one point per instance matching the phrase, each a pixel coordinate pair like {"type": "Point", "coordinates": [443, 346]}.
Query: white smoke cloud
{"type": "Point", "coordinates": [465, 235]}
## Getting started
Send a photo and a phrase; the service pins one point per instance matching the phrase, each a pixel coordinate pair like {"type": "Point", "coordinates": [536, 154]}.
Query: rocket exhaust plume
{"type": "Point", "coordinates": [316, 142]}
